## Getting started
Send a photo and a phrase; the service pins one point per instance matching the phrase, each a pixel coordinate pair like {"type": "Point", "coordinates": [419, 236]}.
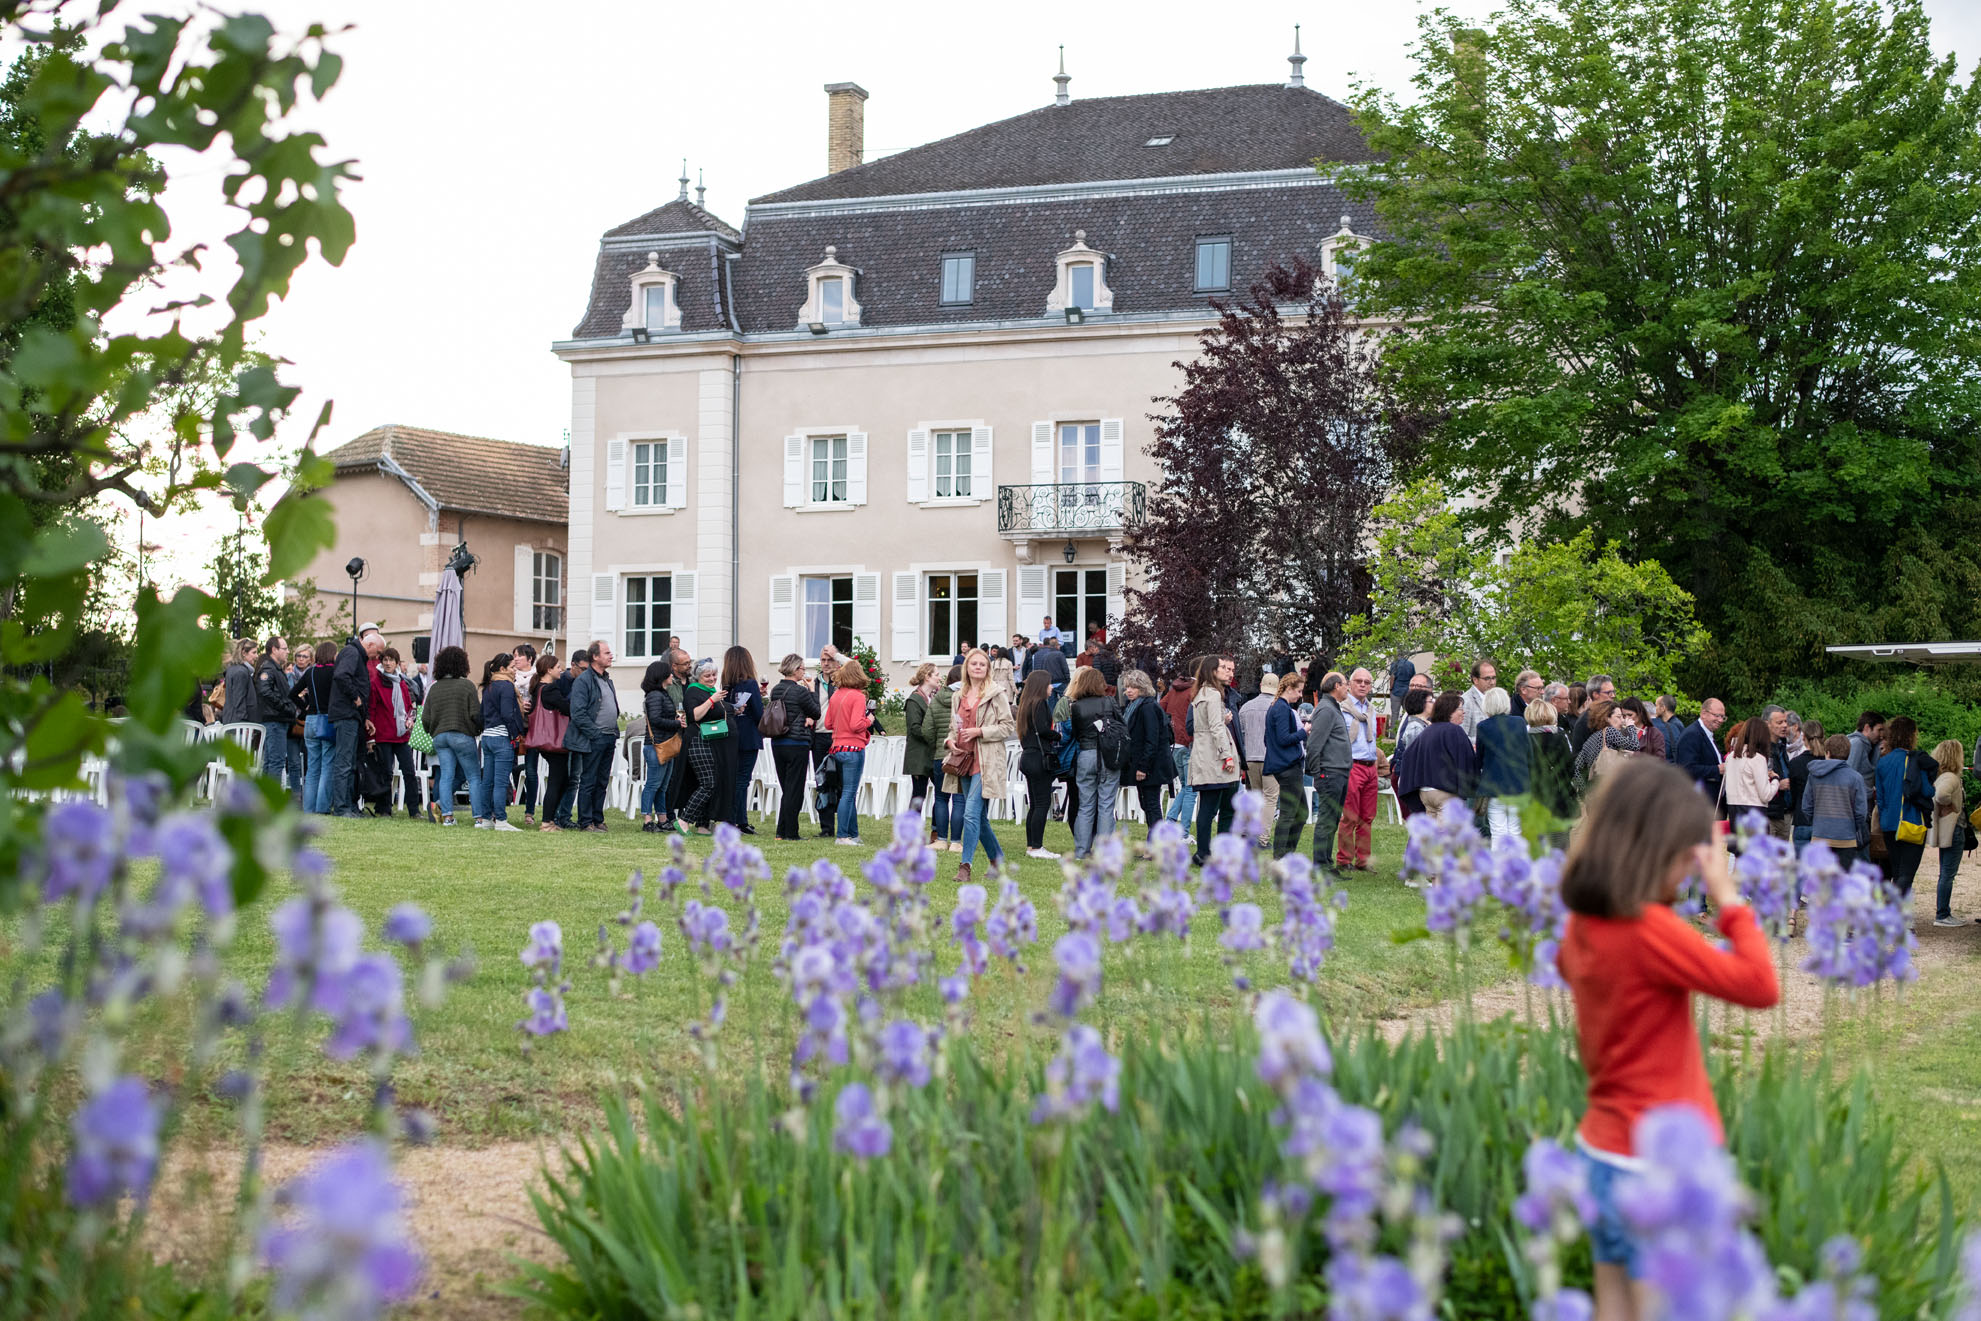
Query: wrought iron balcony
{"type": "Point", "coordinates": [1070, 508]}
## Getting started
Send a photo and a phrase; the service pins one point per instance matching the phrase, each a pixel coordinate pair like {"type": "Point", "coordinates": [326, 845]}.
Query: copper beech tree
{"type": "Point", "coordinates": [1272, 455]}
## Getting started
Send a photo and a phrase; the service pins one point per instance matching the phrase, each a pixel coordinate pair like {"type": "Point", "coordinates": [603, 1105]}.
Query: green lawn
{"type": "Point", "coordinates": [484, 890]}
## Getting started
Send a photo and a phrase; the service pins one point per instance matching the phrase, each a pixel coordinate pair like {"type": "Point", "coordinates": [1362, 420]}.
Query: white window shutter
{"type": "Point", "coordinates": [856, 482]}
{"type": "Point", "coordinates": [615, 474]}
{"type": "Point", "coordinates": [1117, 603]}
{"type": "Point", "coordinates": [794, 471]}
{"type": "Point", "coordinates": [1042, 454]}
{"type": "Point", "coordinates": [605, 601]}
{"type": "Point", "coordinates": [684, 612]}
{"type": "Point", "coordinates": [676, 495]}
{"type": "Point", "coordinates": [1111, 449]}
{"type": "Point", "coordinates": [1031, 599]}
{"type": "Point", "coordinates": [980, 464]}
{"type": "Point", "coordinates": [526, 568]}
{"type": "Point", "coordinates": [866, 609]}
{"type": "Point", "coordinates": [990, 608]}
{"type": "Point", "coordinates": [783, 618]}
{"type": "Point", "coordinates": [918, 466]}
{"type": "Point", "coordinates": [907, 617]}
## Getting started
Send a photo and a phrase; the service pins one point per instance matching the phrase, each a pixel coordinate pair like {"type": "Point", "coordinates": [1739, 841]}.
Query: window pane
{"type": "Point", "coordinates": [821, 472]}
{"type": "Point", "coordinates": [941, 643]}
{"type": "Point", "coordinates": [636, 616]}
{"type": "Point", "coordinates": [656, 306]}
{"type": "Point", "coordinates": [842, 614]}
{"type": "Point", "coordinates": [832, 300]}
{"type": "Point", "coordinates": [966, 622]}
{"type": "Point", "coordinates": [1213, 263]}
{"type": "Point", "coordinates": [1083, 285]}
{"type": "Point", "coordinates": [1066, 601]}
{"type": "Point", "coordinates": [963, 463]}
{"type": "Point", "coordinates": [818, 614]}
{"type": "Point", "coordinates": [958, 278]}
{"type": "Point", "coordinates": [944, 458]}
{"type": "Point", "coordinates": [640, 453]}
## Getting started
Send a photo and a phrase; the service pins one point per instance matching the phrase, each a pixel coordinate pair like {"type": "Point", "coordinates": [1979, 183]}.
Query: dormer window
{"type": "Point", "coordinates": [1213, 264]}
{"type": "Point", "coordinates": [1339, 252]}
{"type": "Point", "coordinates": [1082, 281]}
{"type": "Point", "coordinates": [654, 306]}
{"type": "Point", "coordinates": [830, 297]}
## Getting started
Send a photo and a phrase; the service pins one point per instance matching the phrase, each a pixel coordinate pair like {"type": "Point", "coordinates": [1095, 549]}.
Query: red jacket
{"type": "Point", "coordinates": [383, 693]}
{"type": "Point", "coordinates": [1175, 704]}
{"type": "Point", "coordinates": [1633, 979]}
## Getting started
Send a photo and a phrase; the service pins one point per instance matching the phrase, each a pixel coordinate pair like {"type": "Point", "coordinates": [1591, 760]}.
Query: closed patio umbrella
{"type": "Point", "coordinates": [447, 627]}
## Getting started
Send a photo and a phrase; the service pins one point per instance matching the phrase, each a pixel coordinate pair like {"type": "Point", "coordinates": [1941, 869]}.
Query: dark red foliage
{"type": "Point", "coordinates": [1273, 455]}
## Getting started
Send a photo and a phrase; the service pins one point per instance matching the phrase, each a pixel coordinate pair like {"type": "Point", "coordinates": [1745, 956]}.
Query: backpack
{"type": "Point", "coordinates": [1069, 747]}
{"type": "Point", "coordinates": [775, 721]}
{"type": "Point", "coordinates": [1111, 739]}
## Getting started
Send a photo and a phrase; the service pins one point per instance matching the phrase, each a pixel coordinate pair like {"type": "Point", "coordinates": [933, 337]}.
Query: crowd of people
{"type": "Point", "coordinates": [542, 732]}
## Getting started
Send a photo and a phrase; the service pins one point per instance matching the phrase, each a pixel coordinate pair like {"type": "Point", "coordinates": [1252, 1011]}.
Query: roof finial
{"type": "Point", "coordinates": [1060, 80]}
{"type": "Point", "coordinates": [1296, 59]}
{"type": "Point", "coordinates": [684, 180]}
{"type": "Point", "coordinates": [701, 189]}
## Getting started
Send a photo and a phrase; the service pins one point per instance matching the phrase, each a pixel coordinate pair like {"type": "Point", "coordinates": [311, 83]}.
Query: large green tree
{"type": "Point", "coordinates": [1700, 276]}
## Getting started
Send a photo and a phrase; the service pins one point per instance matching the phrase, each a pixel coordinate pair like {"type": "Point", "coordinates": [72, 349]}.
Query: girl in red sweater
{"type": "Point", "coordinates": [1632, 965]}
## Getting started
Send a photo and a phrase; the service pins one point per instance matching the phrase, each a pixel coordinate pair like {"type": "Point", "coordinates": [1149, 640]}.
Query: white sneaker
{"type": "Point", "coordinates": [1949, 921]}
{"type": "Point", "coordinates": [481, 825]}
{"type": "Point", "coordinates": [503, 825]}
{"type": "Point", "coordinates": [1042, 853]}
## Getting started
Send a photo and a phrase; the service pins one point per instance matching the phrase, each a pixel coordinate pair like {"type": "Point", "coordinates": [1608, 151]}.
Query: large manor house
{"type": "Point", "coordinates": [908, 401]}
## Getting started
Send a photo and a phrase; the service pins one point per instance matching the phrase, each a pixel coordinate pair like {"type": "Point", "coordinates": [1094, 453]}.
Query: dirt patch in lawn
{"type": "Point", "coordinates": [469, 1208]}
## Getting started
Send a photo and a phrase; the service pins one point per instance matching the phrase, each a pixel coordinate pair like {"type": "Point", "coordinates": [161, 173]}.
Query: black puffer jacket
{"type": "Point", "coordinates": [663, 717]}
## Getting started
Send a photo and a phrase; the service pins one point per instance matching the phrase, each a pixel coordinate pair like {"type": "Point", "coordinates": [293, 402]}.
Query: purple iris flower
{"type": "Point", "coordinates": [546, 947]}
{"type": "Point", "coordinates": [546, 1012]}
{"type": "Point", "coordinates": [345, 1252]}
{"type": "Point", "coordinates": [1244, 929]}
{"type": "Point", "coordinates": [79, 849]}
{"type": "Point", "coordinates": [1082, 1073]}
{"type": "Point", "coordinates": [904, 1053]}
{"type": "Point", "coordinates": [408, 924]}
{"type": "Point", "coordinates": [195, 861]}
{"type": "Point", "coordinates": [371, 1015]}
{"type": "Point", "coordinates": [1290, 1044]}
{"type": "Point", "coordinates": [643, 949]}
{"type": "Point", "coordinates": [857, 1129]}
{"type": "Point", "coordinates": [316, 944]}
{"type": "Point", "coordinates": [116, 1144]}
{"type": "Point", "coordinates": [1079, 958]}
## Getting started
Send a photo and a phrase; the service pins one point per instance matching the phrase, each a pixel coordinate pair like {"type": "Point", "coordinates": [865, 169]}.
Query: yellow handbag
{"type": "Point", "coordinates": [1910, 832]}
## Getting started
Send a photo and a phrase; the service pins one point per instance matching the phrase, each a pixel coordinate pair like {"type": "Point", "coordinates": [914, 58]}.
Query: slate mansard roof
{"type": "Point", "coordinates": [889, 220]}
{"type": "Point", "coordinates": [1218, 130]}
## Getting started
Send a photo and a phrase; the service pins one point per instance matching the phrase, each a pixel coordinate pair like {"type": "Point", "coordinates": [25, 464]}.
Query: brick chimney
{"type": "Point", "coordinates": [845, 126]}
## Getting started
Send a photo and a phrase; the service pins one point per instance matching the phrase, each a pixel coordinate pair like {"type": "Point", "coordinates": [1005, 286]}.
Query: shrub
{"type": "Point", "coordinates": [722, 1204]}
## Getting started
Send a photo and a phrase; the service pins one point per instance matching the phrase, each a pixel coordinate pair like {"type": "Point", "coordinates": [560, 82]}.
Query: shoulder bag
{"type": "Point", "coordinates": [416, 736]}
{"type": "Point", "coordinates": [317, 723]}
{"type": "Point", "coordinates": [546, 729]}
{"type": "Point", "coordinates": [775, 722]}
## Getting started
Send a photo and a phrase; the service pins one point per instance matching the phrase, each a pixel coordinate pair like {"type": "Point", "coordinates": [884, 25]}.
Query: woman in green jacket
{"type": "Point", "coordinates": [918, 759]}
{"type": "Point", "coordinates": [946, 826]}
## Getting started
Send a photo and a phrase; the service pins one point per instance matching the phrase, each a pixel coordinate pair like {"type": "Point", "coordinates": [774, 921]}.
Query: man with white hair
{"type": "Point", "coordinates": [1358, 808]}
{"type": "Point", "coordinates": [350, 701]}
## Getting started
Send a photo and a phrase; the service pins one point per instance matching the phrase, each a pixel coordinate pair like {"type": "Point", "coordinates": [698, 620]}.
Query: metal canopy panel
{"type": "Point", "coordinates": [1917, 653]}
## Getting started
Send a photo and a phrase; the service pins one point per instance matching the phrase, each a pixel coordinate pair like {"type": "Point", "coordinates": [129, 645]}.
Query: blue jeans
{"type": "Point", "coordinates": [653, 789]}
{"type": "Point", "coordinates": [316, 784]}
{"type": "Point", "coordinates": [945, 813]}
{"type": "Point", "coordinates": [1610, 1242]}
{"type": "Point", "coordinates": [346, 735]}
{"type": "Point", "coordinates": [459, 760]}
{"type": "Point", "coordinates": [275, 751]}
{"type": "Point", "coordinates": [1098, 788]}
{"type": "Point", "coordinates": [851, 762]}
{"type": "Point", "coordinates": [1949, 864]}
{"type": "Point", "coordinates": [491, 793]}
{"type": "Point", "coordinates": [970, 795]}
{"type": "Point", "coordinates": [1185, 802]}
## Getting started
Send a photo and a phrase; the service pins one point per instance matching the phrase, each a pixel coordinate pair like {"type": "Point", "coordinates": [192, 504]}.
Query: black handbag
{"type": "Point", "coordinates": [374, 773]}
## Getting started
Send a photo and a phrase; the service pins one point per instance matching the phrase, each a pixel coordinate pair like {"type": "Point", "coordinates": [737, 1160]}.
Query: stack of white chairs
{"type": "Point", "coordinates": [629, 771]}
{"type": "Point", "coordinates": [883, 763]}
{"type": "Point", "coordinates": [765, 794]}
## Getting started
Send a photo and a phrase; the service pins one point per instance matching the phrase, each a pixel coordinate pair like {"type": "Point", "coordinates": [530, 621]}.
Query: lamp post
{"type": "Point", "coordinates": [356, 568]}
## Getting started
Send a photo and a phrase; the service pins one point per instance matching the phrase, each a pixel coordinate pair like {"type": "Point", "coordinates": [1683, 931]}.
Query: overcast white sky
{"type": "Point", "coordinates": [498, 139]}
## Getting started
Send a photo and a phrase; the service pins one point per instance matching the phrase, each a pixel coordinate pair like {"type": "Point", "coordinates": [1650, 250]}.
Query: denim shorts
{"type": "Point", "coordinates": [1610, 1243]}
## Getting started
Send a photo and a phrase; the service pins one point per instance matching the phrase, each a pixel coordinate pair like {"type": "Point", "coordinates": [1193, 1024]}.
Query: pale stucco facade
{"type": "Point", "coordinates": [885, 390]}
